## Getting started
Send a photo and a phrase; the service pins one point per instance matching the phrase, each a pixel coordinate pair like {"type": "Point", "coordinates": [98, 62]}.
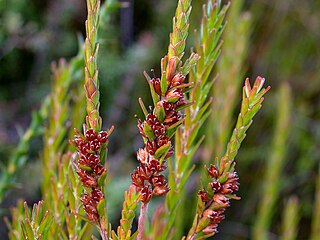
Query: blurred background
{"type": "Point", "coordinates": [278, 163]}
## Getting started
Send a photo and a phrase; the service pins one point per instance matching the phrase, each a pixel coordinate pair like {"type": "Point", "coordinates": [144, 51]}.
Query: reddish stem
{"type": "Point", "coordinates": [142, 219]}
{"type": "Point", "coordinates": [103, 232]}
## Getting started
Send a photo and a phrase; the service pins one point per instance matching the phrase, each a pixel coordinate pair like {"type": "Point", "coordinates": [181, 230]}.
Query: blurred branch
{"type": "Point", "coordinates": [231, 69]}
{"type": "Point", "coordinates": [315, 230]}
{"type": "Point", "coordinates": [19, 156]}
{"type": "Point", "coordinates": [290, 220]}
{"type": "Point", "coordinates": [273, 177]}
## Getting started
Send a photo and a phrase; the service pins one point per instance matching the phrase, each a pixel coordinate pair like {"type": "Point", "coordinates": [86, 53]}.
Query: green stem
{"type": "Point", "coordinates": [130, 204]}
{"type": "Point", "coordinates": [231, 70]}
{"type": "Point", "coordinates": [91, 69]}
{"type": "Point", "coordinates": [290, 220]}
{"type": "Point", "coordinates": [208, 47]}
{"type": "Point", "coordinates": [180, 29]}
{"type": "Point", "coordinates": [91, 86]}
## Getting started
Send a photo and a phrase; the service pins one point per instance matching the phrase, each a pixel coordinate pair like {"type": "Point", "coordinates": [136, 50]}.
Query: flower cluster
{"type": "Point", "coordinates": [156, 131]}
{"type": "Point", "coordinates": [216, 199]}
{"type": "Point", "coordinates": [90, 169]}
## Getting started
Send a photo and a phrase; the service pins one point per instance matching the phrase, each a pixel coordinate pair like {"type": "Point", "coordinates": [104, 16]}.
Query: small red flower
{"type": "Point", "coordinates": [89, 169]}
{"type": "Point", "coordinates": [213, 171]}
{"type": "Point", "coordinates": [90, 134]}
{"type": "Point", "coordinates": [102, 136]}
{"type": "Point", "coordinates": [146, 194]}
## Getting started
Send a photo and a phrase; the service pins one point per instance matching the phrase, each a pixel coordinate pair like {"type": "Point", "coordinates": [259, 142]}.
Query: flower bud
{"type": "Point", "coordinates": [90, 134]}
{"type": "Point", "coordinates": [102, 136]}
{"type": "Point", "coordinates": [146, 194]}
{"type": "Point", "coordinates": [213, 171]}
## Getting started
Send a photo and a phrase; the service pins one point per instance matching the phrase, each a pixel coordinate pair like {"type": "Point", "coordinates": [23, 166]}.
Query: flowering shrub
{"type": "Point", "coordinates": [170, 132]}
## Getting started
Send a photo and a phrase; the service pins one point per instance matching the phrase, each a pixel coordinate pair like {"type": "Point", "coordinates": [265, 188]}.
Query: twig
{"type": "Point", "coordinates": [142, 220]}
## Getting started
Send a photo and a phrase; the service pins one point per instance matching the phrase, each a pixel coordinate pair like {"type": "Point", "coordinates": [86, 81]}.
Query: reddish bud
{"type": "Point", "coordinates": [146, 194]}
{"type": "Point", "coordinates": [177, 80]}
{"type": "Point", "coordinates": [143, 156]}
{"type": "Point", "coordinates": [97, 195]}
{"type": "Point", "coordinates": [151, 119]}
{"type": "Point", "coordinates": [84, 147]}
{"type": "Point", "coordinates": [90, 134]}
{"type": "Point", "coordinates": [137, 180]}
{"type": "Point", "coordinates": [209, 213]}
{"type": "Point", "coordinates": [144, 172]}
{"type": "Point", "coordinates": [158, 129]}
{"type": "Point", "coordinates": [78, 140]}
{"type": "Point", "coordinates": [231, 184]}
{"type": "Point", "coordinates": [95, 145]}
{"type": "Point", "coordinates": [210, 229]}
{"type": "Point", "coordinates": [156, 85]}
{"type": "Point", "coordinates": [173, 95]}
{"type": "Point", "coordinates": [220, 200]}
{"type": "Point", "coordinates": [93, 160]}
{"type": "Point", "coordinates": [204, 196]}
{"type": "Point", "coordinates": [140, 128]}
{"type": "Point", "coordinates": [213, 171]}
{"type": "Point", "coordinates": [172, 118]}
{"type": "Point", "coordinates": [102, 136]}
{"type": "Point", "coordinates": [86, 178]}
{"type": "Point", "coordinates": [90, 207]}
{"type": "Point", "coordinates": [181, 101]}
{"type": "Point", "coordinates": [160, 190]}
{"type": "Point", "coordinates": [155, 166]}
{"type": "Point", "coordinates": [99, 169]}
{"type": "Point", "coordinates": [216, 186]}
{"type": "Point", "coordinates": [158, 180]}
{"type": "Point", "coordinates": [151, 147]}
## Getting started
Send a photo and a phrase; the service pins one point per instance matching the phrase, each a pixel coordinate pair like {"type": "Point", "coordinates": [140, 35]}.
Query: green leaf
{"type": "Point", "coordinates": [26, 227]}
{"type": "Point", "coordinates": [85, 167]}
{"type": "Point", "coordinates": [102, 179]}
{"type": "Point", "coordinates": [148, 131]}
{"type": "Point", "coordinates": [186, 175]}
{"type": "Point", "coordinates": [173, 128]}
{"type": "Point", "coordinates": [143, 107]}
{"type": "Point", "coordinates": [162, 151]}
{"type": "Point", "coordinates": [181, 107]}
{"type": "Point", "coordinates": [190, 63]}
{"type": "Point", "coordinates": [204, 221]}
{"type": "Point", "coordinates": [101, 207]}
{"type": "Point", "coordinates": [27, 211]}
{"type": "Point", "coordinates": [134, 236]}
{"type": "Point", "coordinates": [163, 80]}
{"type": "Point", "coordinates": [103, 153]}
{"type": "Point", "coordinates": [45, 223]}
{"type": "Point", "coordinates": [160, 113]}
{"type": "Point", "coordinates": [204, 237]}
{"type": "Point", "coordinates": [83, 230]}
{"type": "Point", "coordinates": [163, 85]}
